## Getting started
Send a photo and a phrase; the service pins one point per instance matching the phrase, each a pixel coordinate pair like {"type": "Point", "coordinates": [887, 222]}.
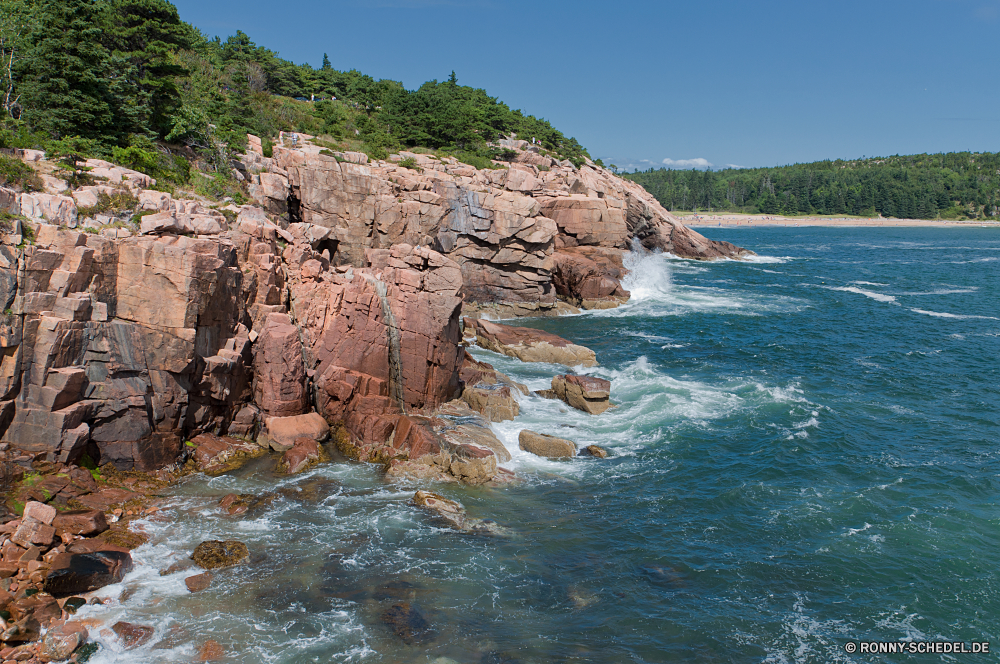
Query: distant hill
{"type": "Point", "coordinates": [87, 77]}
{"type": "Point", "coordinates": [954, 185]}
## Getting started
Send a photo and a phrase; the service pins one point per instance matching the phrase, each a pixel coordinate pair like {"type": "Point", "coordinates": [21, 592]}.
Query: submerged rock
{"type": "Point", "coordinates": [408, 623]}
{"type": "Point", "coordinates": [215, 554]}
{"type": "Point", "coordinates": [586, 393]}
{"type": "Point", "coordinates": [545, 445]}
{"type": "Point", "coordinates": [454, 514]}
{"type": "Point", "coordinates": [74, 573]}
{"type": "Point", "coordinates": [198, 582]}
{"type": "Point", "coordinates": [593, 451]}
{"type": "Point", "coordinates": [131, 635]}
{"type": "Point", "coordinates": [530, 345]}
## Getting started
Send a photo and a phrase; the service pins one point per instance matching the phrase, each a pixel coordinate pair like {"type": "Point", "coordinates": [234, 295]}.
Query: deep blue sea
{"type": "Point", "coordinates": [805, 453]}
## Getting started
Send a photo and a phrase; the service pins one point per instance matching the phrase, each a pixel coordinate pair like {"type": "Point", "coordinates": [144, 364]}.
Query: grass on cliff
{"type": "Point", "coordinates": [16, 174]}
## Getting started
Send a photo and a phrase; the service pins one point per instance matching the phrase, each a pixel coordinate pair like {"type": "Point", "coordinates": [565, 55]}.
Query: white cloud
{"type": "Point", "coordinates": [698, 162]}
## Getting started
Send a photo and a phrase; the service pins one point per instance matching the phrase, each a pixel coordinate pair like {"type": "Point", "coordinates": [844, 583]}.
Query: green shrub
{"type": "Point", "coordinates": [120, 201]}
{"type": "Point", "coordinates": [411, 164]}
{"type": "Point", "coordinates": [267, 147]}
{"type": "Point", "coordinates": [16, 173]}
{"type": "Point", "coordinates": [217, 186]}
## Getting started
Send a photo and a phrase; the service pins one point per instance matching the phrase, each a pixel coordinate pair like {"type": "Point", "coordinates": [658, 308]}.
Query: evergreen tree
{"type": "Point", "coordinates": [326, 63]}
{"type": "Point", "coordinates": [143, 35]}
{"type": "Point", "coordinates": [64, 85]}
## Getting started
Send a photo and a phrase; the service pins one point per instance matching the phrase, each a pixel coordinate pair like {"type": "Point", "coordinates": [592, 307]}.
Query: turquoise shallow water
{"type": "Point", "coordinates": [805, 453]}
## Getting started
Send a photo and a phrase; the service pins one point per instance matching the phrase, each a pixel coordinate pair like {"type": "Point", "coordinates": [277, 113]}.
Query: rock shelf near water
{"type": "Point", "coordinates": [529, 345]}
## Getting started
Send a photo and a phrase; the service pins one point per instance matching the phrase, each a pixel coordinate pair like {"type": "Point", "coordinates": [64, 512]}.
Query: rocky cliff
{"type": "Point", "coordinates": [339, 293]}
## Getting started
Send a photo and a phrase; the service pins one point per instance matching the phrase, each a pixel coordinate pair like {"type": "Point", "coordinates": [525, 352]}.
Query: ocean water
{"type": "Point", "coordinates": [805, 452]}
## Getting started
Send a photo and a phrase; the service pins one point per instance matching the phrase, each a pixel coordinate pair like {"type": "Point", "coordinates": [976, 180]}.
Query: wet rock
{"type": "Point", "coordinates": [282, 432]}
{"type": "Point", "coordinates": [80, 522]}
{"type": "Point", "coordinates": [593, 451]}
{"type": "Point", "coordinates": [211, 651]}
{"type": "Point", "coordinates": [488, 391]}
{"type": "Point", "coordinates": [234, 504]}
{"type": "Point", "coordinates": [545, 445]}
{"type": "Point", "coordinates": [74, 573]}
{"type": "Point", "coordinates": [454, 514]}
{"type": "Point", "coordinates": [73, 604]}
{"type": "Point", "coordinates": [586, 393]}
{"type": "Point", "coordinates": [215, 455]}
{"type": "Point", "coordinates": [216, 554]}
{"type": "Point", "coordinates": [304, 454]}
{"type": "Point", "coordinates": [198, 582]}
{"type": "Point", "coordinates": [60, 641]}
{"type": "Point", "coordinates": [131, 635]}
{"type": "Point", "coordinates": [530, 345]}
{"type": "Point", "coordinates": [408, 623]}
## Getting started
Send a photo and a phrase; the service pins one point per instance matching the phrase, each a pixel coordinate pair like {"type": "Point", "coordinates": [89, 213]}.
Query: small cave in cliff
{"type": "Point", "coordinates": [328, 249]}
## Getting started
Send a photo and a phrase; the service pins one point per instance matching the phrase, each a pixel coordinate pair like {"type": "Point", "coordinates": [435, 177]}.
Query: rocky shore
{"type": "Point", "coordinates": [178, 335]}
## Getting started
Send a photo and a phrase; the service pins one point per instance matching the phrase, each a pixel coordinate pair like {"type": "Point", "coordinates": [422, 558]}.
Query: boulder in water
{"type": "Point", "coordinates": [132, 635]}
{"type": "Point", "coordinates": [546, 445]}
{"type": "Point", "coordinates": [454, 514]}
{"type": "Point", "coordinates": [594, 451]}
{"type": "Point", "coordinates": [586, 393]}
{"type": "Point", "coordinates": [215, 554]}
{"type": "Point", "coordinates": [74, 573]}
{"type": "Point", "coordinates": [408, 623]}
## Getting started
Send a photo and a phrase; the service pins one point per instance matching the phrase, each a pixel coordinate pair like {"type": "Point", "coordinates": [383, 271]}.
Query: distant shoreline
{"type": "Point", "coordinates": [750, 221]}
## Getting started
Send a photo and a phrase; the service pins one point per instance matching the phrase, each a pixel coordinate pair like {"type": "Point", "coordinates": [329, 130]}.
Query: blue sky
{"type": "Point", "coordinates": [697, 83]}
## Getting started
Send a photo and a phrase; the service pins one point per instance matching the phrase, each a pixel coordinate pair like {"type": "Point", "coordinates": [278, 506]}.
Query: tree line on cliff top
{"type": "Point", "coordinates": [955, 185]}
{"type": "Point", "coordinates": [128, 78]}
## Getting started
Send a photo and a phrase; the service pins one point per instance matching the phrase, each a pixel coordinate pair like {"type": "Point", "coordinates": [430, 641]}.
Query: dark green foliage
{"type": "Point", "coordinates": [65, 83]}
{"type": "Point", "coordinates": [950, 186]}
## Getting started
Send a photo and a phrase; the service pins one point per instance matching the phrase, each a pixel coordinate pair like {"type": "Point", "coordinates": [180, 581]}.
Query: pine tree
{"type": "Point", "coordinates": [142, 35]}
{"type": "Point", "coordinates": [64, 84]}
{"type": "Point", "coordinates": [326, 63]}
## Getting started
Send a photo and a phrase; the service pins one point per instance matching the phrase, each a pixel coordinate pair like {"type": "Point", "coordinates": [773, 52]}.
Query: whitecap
{"type": "Point", "coordinates": [881, 297]}
{"type": "Point", "coordinates": [941, 314]}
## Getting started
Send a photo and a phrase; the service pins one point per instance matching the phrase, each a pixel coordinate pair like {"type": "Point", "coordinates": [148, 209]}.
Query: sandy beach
{"type": "Point", "coordinates": [776, 220]}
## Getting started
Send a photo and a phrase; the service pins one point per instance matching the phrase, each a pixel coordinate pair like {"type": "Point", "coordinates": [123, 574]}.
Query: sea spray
{"type": "Point", "coordinates": [649, 273]}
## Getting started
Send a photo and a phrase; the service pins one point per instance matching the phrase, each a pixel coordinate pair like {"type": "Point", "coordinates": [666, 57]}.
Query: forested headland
{"type": "Point", "coordinates": [129, 80]}
{"type": "Point", "coordinates": [955, 185]}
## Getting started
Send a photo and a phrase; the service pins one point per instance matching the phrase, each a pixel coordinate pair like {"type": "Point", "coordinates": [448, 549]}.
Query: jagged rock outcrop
{"type": "Point", "coordinates": [503, 226]}
{"type": "Point", "coordinates": [338, 297]}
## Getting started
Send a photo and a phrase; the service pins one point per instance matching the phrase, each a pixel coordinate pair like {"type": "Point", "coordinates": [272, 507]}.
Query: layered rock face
{"type": "Point", "coordinates": [117, 348]}
{"type": "Point", "coordinates": [512, 230]}
{"type": "Point", "coordinates": [338, 297]}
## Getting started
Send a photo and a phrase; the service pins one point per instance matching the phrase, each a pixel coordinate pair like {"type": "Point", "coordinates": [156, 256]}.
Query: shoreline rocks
{"type": "Point", "coordinates": [545, 445]}
{"type": "Point", "coordinates": [587, 393]}
{"type": "Point", "coordinates": [529, 345]}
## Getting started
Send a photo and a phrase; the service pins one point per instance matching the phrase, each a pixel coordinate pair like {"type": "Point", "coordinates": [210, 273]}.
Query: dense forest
{"type": "Point", "coordinates": [129, 79]}
{"type": "Point", "coordinates": [956, 185]}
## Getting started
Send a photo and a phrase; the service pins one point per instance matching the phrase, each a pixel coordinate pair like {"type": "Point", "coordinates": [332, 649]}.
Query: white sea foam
{"type": "Point", "coordinates": [941, 314]}
{"type": "Point", "coordinates": [868, 283]}
{"type": "Point", "coordinates": [881, 297]}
